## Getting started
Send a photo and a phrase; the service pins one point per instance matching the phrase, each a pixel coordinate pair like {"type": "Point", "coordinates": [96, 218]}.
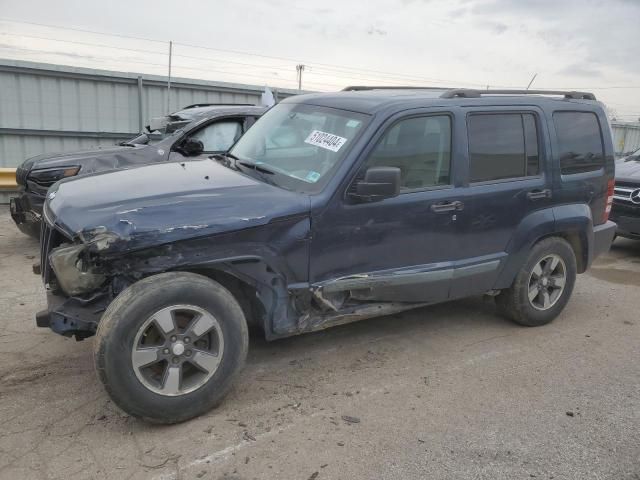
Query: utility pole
{"type": "Point", "coordinates": [299, 70]}
{"type": "Point", "coordinates": [532, 79]}
{"type": "Point", "coordinates": [169, 78]}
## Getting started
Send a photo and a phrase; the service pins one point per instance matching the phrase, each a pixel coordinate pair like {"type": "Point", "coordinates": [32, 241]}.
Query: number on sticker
{"type": "Point", "coordinates": [325, 140]}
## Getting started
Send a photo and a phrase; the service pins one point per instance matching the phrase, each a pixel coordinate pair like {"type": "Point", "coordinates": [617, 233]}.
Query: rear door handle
{"type": "Point", "coordinates": [444, 207]}
{"type": "Point", "coordinates": [538, 194]}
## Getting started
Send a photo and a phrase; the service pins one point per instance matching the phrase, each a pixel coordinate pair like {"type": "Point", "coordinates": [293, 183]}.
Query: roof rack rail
{"type": "Point", "coordinates": [474, 93]}
{"type": "Point", "coordinates": [358, 88]}
{"type": "Point", "coordinates": [196, 105]}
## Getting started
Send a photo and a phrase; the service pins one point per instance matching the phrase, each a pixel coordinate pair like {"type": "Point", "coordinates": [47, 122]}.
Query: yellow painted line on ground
{"type": "Point", "coordinates": [8, 178]}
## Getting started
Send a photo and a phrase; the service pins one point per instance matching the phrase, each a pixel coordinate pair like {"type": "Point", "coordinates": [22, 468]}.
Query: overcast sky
{"type": "Point", "coordinates": [577, 44]}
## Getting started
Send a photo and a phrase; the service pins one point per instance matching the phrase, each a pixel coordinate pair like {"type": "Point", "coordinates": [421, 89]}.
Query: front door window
{"type": "Point", "coordinates": [421, 148]}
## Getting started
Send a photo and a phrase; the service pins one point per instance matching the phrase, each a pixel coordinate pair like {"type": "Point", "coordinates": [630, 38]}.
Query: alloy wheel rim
{"type": "Point", "coordinates": [547, 282]}
{"type": "Point", "coordinates": [177, 350]}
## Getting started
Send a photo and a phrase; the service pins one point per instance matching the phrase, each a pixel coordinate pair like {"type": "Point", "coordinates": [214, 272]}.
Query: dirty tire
{"type": "Point", "coordinates": [30, 228]}
{"type": "Point", "coordinates": [514, 303]}
{"type": "Point", "coordinates": [128, 312]}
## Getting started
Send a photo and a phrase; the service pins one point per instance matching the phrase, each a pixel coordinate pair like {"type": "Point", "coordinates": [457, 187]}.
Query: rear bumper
{"type": "Point", "coordinates": [602, 239]}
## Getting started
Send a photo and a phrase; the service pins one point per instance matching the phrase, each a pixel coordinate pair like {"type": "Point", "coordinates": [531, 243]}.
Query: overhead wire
{"type": "Point", "coordinates": [326, 66]}
{"type": "Point", "coordinates": [314, 68]}
{"type": "Point", "coordinates": [184, 67]}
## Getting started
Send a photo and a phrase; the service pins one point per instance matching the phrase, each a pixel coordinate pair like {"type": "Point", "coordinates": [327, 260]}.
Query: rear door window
{"type": "Point", "coordinates": [502, 146]}
{"type": "Point", "coordinates": [579, 142]}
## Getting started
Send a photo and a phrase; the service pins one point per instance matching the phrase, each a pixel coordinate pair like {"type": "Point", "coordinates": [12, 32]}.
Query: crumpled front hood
{"type": "Point", "coordinates": [161, 203]}
{"type": "Point", "coordinates": [628, 171]}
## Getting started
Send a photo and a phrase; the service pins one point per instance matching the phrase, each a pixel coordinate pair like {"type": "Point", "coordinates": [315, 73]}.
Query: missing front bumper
{"type": "Point", "coordinates": [71, 317]}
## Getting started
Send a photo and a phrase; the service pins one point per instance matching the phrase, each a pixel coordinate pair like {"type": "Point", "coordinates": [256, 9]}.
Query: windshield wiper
{"type": "Point", "coordinates": [260, 170]}
{"type": "Point", "coordinates": [255, 166]}
{"type": "Point", "coordinates": [225, 157]}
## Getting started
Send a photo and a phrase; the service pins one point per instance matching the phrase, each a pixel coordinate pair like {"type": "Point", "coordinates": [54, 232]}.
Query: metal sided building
{"type": "Point", "coordinates": [626, 137]}
{"type": "Point", "coordinates": [55, 108]}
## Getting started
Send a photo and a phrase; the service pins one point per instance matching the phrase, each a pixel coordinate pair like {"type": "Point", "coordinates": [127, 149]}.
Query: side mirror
{"type": "Point", "coordinates": [191, 147]}
{"type": "Point", "coordinates": [379, 183]}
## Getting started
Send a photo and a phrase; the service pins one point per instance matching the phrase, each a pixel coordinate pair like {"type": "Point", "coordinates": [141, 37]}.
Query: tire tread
{"type": "Point", "coordinates": [150, 286]}
{"type": "Point", "coordinates": [513, 302]}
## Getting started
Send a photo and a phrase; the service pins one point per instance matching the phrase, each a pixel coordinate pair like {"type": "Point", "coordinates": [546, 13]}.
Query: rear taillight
{"type": "Point", "coordinates": [607, 208]}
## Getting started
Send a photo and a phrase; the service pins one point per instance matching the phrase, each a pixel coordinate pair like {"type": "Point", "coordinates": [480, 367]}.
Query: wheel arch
{"type": "Point", "coordinates": [579, 245]}
{"type": "Point", "coordinates": [243, 291]}
{"type": "Point", "coordinates": [571, 222]}
{"type": "Point", "coordinates": [258, 287]}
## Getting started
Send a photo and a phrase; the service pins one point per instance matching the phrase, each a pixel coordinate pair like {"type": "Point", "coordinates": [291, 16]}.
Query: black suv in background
{"type": "Point", "coordinates": [332, 208]}
{"type": "Point", "coordinates": [626, 200]}
{"type": "Point", "coordinates": [170, 138]}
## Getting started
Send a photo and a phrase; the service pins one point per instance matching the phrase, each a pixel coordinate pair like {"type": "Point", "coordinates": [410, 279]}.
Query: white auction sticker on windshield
{"type": "Point", "coordinates": [325, 140]}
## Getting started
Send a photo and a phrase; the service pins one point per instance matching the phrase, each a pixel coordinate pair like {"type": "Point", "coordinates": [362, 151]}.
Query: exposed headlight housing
{"type": "Point", "coordinates": [71, 272]}
{"type": "Point", "coordinates": [49, 176]}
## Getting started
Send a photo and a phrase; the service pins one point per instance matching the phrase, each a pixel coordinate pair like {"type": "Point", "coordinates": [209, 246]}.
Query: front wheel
{"type": "Point", "coordinates": [168, 348]}
{"type": "Point", "coordinates": [543, 286]}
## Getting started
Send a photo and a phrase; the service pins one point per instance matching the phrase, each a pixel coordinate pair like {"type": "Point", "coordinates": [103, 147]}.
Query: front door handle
{"type": "Point", "coordinates": [539, 194]}
{"type": "Point", "coordinates": [444, 207]}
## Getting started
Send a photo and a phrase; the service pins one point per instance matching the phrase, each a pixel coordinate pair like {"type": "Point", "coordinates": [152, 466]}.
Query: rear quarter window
{"type": "Point", "coordinates": [579, 142]}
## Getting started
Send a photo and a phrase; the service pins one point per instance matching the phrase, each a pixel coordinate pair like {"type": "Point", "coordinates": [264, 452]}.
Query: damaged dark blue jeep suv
{"type": "Point", "coordinates": [331, 208]}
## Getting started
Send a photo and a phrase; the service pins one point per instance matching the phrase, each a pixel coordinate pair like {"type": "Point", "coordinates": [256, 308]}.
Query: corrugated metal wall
{"type": "Point", "coordinates": [53, 108]}
{"type": "Point", "coordinates": [626, 137]}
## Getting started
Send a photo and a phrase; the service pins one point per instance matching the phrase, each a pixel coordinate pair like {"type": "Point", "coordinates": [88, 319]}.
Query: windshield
{"type": "Point", "coordinates": [299, 145]}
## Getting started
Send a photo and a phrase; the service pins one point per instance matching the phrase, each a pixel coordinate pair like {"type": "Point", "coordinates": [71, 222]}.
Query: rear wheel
{"type": "Point", "coordinates": [543, 286]}
{"type": "Point", "coordinates": [169, 346]}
